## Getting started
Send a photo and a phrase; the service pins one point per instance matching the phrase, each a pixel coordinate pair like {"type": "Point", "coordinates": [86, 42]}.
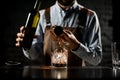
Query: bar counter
{"type": "Point", "coordinates": [46, 72]}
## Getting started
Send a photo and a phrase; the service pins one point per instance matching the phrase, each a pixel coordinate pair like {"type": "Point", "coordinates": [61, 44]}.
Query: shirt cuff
{"type": "Point", "coordinates": [80, 50]}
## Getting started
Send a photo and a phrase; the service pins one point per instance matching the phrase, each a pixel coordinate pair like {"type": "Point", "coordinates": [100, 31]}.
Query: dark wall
{"type": "Point", "coordinates": [116, 20]}
{"type": "Point", "coordinates": [14, 14]}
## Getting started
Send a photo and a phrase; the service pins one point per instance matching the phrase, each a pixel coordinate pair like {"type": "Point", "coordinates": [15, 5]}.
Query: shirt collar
{"type": "Point", "coordinates": [75, 5]}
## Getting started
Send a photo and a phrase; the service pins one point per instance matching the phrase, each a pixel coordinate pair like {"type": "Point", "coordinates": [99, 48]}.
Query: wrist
{"type": "Point", "coordinates": [75, 48]}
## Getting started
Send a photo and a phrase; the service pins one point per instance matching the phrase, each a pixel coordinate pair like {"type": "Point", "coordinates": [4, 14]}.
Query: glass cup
{"type": "Point", "coordinates": [116, 55]}
{"type": "Point", "coordinates": [59, 57]}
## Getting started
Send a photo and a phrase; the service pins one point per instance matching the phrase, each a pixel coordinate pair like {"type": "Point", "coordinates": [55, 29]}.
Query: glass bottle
{"type": "Point", "coordinates": [31, 25]}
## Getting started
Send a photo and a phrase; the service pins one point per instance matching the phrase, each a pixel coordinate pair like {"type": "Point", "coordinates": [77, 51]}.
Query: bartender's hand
{"type": "Point", "coordinates": [70, 40]}
{"type": "Point", "coordinates": [67, 38]}
{"type": "Point", "coordinates": [20, 36]}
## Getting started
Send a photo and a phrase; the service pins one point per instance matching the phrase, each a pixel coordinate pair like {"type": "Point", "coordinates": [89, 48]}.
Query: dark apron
{"type": "Point", "coordinates": [49, 43]}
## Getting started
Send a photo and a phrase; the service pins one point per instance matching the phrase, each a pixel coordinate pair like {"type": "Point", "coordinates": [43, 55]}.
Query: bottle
{"type": "Point", "coordinates": [31, 25]}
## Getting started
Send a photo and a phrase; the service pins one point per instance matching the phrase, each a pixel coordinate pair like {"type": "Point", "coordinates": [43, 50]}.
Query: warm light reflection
{"type": "Point", "coordinates": [59, 73]}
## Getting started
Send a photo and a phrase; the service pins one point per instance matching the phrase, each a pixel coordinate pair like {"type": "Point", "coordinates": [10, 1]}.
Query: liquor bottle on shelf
{"type": "Point", "coordinates": [31, 25]}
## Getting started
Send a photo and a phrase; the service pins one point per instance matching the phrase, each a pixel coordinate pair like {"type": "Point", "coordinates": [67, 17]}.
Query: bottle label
{"type": "Point", "coordinates": [35, 20]}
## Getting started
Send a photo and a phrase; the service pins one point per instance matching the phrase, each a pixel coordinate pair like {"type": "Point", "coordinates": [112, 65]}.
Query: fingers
{"type": "Point", "coordinates": [17, 44]}
{"type": "Point", "coordinates": [19, 39]}
{"type": "Point", "coordinates": [70, 40]}
{"type": "Point", "coordinates": [21, 29]}
{"type": "Point", "coordinates": [20, 36]}
{"type": "Point", "coordinates": [66, 34]}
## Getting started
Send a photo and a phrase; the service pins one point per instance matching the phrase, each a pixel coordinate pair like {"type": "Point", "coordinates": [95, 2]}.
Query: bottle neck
{"type": "Point", "coordinates": [37, 5]}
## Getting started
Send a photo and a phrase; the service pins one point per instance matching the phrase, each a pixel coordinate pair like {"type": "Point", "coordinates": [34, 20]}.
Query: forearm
{"type": "Point", "coordinates": [92, 56]}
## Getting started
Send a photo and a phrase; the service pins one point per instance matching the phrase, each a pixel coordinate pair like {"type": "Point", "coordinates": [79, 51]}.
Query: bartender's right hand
{"type": "Point", "coordinates": [20, 36]}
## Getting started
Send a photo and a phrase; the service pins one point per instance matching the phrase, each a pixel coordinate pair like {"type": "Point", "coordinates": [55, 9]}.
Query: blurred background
{"type": "Point", "coordinates": [13, 15]}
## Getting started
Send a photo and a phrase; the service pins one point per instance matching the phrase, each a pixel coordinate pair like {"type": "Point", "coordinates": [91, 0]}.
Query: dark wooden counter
{"type": "Point", "coordinates": [46, 72]}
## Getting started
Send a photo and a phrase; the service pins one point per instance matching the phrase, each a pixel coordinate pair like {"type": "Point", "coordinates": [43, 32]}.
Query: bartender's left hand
{"type": "Point", "coordinates": [69, 40]}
